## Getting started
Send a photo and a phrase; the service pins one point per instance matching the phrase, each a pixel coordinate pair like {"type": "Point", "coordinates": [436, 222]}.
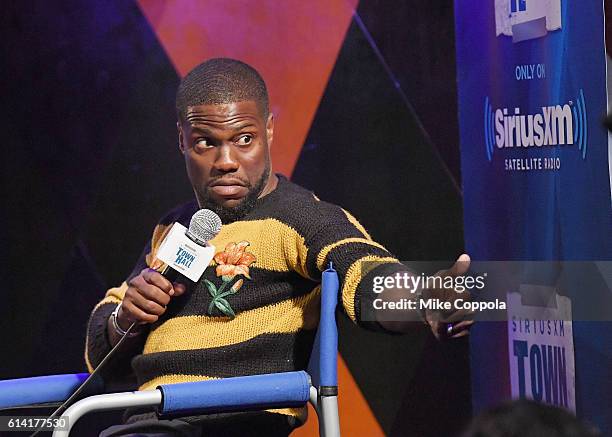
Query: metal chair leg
{"type": "Point", "coordinates": [112, 401]}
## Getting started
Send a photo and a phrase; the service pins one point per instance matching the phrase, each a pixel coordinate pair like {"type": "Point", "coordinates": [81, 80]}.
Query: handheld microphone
{"type": "Point", "coordinates": [187, 251]}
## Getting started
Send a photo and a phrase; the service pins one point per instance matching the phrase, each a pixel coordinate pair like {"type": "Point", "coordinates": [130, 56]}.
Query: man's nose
{"type": "Point", "coordinates": [225, 161]}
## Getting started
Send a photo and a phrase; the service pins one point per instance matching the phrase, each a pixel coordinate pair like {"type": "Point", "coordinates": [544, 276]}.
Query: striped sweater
{"type": "Point", "coordinates": [271, 262]}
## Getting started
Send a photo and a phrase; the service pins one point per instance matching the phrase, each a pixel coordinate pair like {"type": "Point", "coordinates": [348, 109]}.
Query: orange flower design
{"type": "Point", "coordinates": [234, 260]}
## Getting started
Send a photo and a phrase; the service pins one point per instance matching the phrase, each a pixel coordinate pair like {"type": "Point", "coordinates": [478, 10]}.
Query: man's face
{"type": "Point", "coordinates": [227, 155]}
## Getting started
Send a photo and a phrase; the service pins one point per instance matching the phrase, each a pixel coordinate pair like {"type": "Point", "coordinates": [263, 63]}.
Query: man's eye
{"type": "Point", "coordinates": [202, 143]}
{"type": "Point", "coordinates": [244, 140]}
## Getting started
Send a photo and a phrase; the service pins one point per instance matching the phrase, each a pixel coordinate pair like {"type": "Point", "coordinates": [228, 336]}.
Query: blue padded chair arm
{"type": "Point", "coordinates": [323, 365]}
{"type": "Point", "coordinates": [232, 394]}
{"type": "Point", "coordinates": [39, 389]}
{"type": "Point", "coordinates": [328, 329]}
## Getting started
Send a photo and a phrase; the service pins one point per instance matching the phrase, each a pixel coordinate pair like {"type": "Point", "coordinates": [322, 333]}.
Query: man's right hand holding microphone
{"type": "Point", "coordinates": [144, 302]}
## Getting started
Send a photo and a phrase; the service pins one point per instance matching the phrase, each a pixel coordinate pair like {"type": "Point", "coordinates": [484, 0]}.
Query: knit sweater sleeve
{"type": "Point", "coordinates": [97, 344]}
{"type": "Point", "coordinates": [340, 239]}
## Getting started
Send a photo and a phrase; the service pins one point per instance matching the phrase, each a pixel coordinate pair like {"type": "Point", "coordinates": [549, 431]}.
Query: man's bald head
{"type": "Point", "coordinates": [221, 80]}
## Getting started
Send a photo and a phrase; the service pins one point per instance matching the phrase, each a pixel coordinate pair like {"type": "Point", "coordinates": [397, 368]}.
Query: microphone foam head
{"type": "Point", "coordinates": [205, 225]}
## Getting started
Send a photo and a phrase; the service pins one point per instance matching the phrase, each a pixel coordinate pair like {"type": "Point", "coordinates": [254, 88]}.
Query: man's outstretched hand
{"type": "Point", "coordinates": [452, 323]}
{"type": "Point", "coordinates": [445, 323]}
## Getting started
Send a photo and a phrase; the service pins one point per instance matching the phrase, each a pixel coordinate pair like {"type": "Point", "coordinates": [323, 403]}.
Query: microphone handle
{"type": "Point", "coordinates": [171, 274]}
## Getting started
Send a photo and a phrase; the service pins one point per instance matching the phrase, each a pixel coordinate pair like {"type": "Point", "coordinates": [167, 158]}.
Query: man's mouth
{"type": "Point", "coordinates": [229, 188]}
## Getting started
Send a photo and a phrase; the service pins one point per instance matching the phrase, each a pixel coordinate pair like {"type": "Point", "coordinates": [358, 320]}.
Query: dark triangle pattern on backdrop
{"type": "Point", "coordinates": [416, 39]}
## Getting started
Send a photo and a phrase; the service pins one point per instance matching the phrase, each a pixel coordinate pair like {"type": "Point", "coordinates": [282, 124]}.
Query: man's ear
{"type": "Point", "coordinates": [270, 129]}
{"type": "Point", "coordinates": [181, 144]}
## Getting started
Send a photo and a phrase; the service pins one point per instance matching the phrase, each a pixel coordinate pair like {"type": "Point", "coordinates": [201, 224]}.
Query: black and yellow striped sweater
{"type": "Point", "coordinates": [273, 257]}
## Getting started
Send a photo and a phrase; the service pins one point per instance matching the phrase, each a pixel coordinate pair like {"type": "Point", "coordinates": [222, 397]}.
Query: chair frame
{"type": "Point", "coordinates": [319, 385]}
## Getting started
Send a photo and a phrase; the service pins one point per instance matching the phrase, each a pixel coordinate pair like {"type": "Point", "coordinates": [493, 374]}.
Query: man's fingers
{"type": "Point", "coordinates": [461, 266]}
{"type": "Point", "coordinates": [449, 330]}
{"type": "Point", "coordinates": [459, 315]}
{"type": "Point", "coordinates": [155, 278]}
{"type": "Point", "coordinates": [461, 334]}
{"type": "Point", "coordinates": [452, 315]}
{"type": "Point", "coordinates": [148, 306]}
{"type": "Point", "coordinates": [466, 324]}
{"type": "Point", "coordinates": [135, 314]}
{"type": "Point", "coordinates": [147, 297]}
{"type": "Point", "coordinates": [178, 288]}
{"type": "Point", "coordinates": [149, 291]}
{"type": "Point", "coordinates": [461, 329]}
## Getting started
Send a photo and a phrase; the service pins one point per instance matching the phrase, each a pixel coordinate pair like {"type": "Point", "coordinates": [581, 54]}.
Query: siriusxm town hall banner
{"type": "Point", "coordinates": [536, 179]}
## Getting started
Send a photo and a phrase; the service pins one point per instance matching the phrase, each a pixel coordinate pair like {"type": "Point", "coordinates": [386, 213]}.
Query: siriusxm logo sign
{"type": "Point", "coordinates": [555, 125]}
{"type": "Point", "coordinates": [184, 258]}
